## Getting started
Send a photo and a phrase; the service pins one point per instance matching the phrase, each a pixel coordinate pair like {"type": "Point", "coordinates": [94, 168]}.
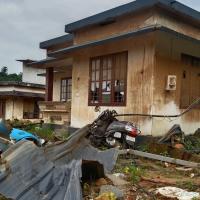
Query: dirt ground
{"type": "Point", "coordinates": [152, 175]}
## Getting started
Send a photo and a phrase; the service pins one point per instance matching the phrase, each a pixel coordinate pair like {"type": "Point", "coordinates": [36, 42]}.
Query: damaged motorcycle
{"type": "Point", "coordinates": [108, 131]}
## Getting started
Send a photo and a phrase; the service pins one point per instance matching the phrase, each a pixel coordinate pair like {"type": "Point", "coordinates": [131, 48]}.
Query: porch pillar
{"type": "Point", "coordinates": [49, 84]}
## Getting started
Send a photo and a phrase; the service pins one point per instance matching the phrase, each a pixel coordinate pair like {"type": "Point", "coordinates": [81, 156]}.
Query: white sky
{"type": "Point", "coordinates": [25, 23]}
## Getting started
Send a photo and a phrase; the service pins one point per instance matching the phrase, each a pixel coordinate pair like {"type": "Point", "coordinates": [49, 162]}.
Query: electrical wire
{"type": "Point", "coordinates": [192, 106]}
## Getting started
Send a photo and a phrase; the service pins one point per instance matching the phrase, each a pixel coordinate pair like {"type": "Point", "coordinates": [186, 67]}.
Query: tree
{"type": "Point", "coordinates": [4, 76]}
{"type": "Point", "coordinates": [4, 70]}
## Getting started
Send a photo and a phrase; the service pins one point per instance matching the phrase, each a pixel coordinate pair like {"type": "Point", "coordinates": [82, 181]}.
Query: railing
{"type": "Point", "coordinates": [56, 106]}
{"type": "Point", "coordinates": [31, 115]}
{"type": "Point", "coordinates": [58, 112]}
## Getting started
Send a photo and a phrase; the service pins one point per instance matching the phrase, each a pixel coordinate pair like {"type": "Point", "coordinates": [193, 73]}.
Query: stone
{"type": "Point", "coordinates": [106, 196]}
{"type": "Point", "coordinates": [180, 194]}
{"type": "Point", "coordinates": [117, 180]}
{"type": "Point", "coordinates": [113, 189]}
{"type": "Point", "coordinates": [179, 146]}
{"type": "Point", "coordinates": [101, 181]}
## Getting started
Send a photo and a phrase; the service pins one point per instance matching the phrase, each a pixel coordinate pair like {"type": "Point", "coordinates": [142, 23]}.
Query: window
{"type": "Point", "coordinates": [66, 88]}
{"type": "Point", "coordinates": [108, 77]}
{"type": "Point", "coordinates": [190, 80]}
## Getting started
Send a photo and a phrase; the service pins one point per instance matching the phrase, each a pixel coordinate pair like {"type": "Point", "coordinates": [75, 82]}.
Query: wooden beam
{"type": "Point", "coordinates": [49, 84]}
{"type": "Point", "coordinates": [160, 158]}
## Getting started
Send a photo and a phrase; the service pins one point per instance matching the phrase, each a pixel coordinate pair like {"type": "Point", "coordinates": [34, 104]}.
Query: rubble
{"type": "Point", "coordinates": [174, 192]}
{"type": "Point", "coordinates": [107, 196]}
{"type": "Point", "coordinates": [52, 172]}
{"type": "Point", "coordinates": [117, 180]}
{"type": "Point", "coordinates": [112, 189]}
{"type": "Point", "coordinates": [73, 168]}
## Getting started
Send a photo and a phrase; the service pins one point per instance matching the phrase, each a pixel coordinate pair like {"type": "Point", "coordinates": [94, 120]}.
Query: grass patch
{"type": "Point", "coordinates": [134, 173]}
{"type": "Point", "coordinates": [188, 185]}
{"type": "Point", "coordinates": [45, 133]}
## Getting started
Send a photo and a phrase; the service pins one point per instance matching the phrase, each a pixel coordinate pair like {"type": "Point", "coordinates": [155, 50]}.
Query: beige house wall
{"type": "Point", "coordinates": [136, 21]}
{"type": "Point", "coordinates": [139, 81]}
{"type": "Point", "coordinates": [168, 102]}
{"type": "Point", "coordinates": [14, 108]}
{"type": "Point", "coordinates": [168, 62]}
{"type": "Point", "coordinates": [176, 24]}
{"type": "Point", "coordinates": [124, 24]}
{"type": "Point", "coordinates": [150, 61]}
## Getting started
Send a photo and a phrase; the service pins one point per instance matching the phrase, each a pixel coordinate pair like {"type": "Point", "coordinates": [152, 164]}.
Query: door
{"type": "Point", "coordinates": [2, 109]}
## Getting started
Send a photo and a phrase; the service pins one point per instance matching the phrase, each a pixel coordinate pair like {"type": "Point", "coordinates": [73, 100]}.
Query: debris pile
{"type": "Point", "coordinates": [73, 169]}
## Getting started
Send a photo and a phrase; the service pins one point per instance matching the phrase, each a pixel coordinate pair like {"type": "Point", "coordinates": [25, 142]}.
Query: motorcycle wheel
{"type": "Point", "coordinates": [112, 143]}
{"type": "Point", "coordinates": [126, 145]}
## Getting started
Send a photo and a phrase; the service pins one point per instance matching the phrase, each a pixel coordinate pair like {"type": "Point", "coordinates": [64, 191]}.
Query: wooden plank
{"type": "Point", "coordinates": [160, 158]}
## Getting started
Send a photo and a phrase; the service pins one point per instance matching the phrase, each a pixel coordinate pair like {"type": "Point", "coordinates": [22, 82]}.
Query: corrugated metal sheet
{"type": "Point", "coordinates": [53, 173]}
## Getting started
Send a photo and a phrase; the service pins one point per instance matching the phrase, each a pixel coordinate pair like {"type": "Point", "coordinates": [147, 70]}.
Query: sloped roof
{"type": "Point", "coordinates": [135, 6]}
{"type": "Point", "coordinates": [55, 41]}
{"type": "Point", "coordinates": [117, 37]}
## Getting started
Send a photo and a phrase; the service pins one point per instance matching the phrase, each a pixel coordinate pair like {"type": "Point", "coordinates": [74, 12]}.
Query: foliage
{"type": "Point", "coordinates": [43, 132]}
{"type": "Point", "coordinates": [192, 142]}
{"type": "Point", "coordinates": [188, 185]}
{"type": "Point", "coordinates": [4, 76]}
{"type": "Point", "coordinates": [108, 196]}
{"type": "Point", "coordinates": [2, 198]}
{"type": "Point", "coordinates": [63, 135]}
{"type": "Point", "coordinates": [134, 173]}
{"type": "Point", "coordinates": [195, 198]}
{"type": "Point", "coordinates": [4, 70]}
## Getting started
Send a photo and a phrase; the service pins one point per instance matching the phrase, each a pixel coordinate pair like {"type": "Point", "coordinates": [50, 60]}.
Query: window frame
{"type": "Point", "coordinates": [113, 71]}
{"type": "Point", "coordinates": [65, 78]}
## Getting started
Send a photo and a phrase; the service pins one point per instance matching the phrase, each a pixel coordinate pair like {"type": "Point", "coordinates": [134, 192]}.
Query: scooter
{"type": "Point", "coordinates": [16, 135]}
{"type": "Point", "coordinates": [106, 130]}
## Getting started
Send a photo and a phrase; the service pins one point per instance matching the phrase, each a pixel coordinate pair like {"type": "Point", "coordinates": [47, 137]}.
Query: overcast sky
{"type": "Point", "coordinates": [25, 23]}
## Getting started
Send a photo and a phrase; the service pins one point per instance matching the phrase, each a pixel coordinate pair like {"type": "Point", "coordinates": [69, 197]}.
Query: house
{"type": "Point", "coordinates": [19, 100]}
{"type": "Point", "coordinates": [141, 57]}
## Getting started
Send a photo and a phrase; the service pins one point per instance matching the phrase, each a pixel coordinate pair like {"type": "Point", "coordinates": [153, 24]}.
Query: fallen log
{"type": "Point", "coordinates": [160, 158]}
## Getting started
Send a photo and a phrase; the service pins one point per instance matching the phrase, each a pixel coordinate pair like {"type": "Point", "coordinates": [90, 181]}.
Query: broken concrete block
{"type": "Point", "coordinates": [106, 196]}
{"type": "Point", "coordinates": [117, 180]}
{"type": "Point", "coordinates": [174, 192]}
{"type": "Point", "coordinates": [110, 188]}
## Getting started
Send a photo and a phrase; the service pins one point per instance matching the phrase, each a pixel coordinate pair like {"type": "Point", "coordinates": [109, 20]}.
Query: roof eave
{"type": "Point", "coordinates": [136, 6]}
{"type": "Point", "coordinates": [55, 41]}
{"type": "Point", "coordinates": [145, 30]}
{"type": "Point", "coordinates": [108, 14]}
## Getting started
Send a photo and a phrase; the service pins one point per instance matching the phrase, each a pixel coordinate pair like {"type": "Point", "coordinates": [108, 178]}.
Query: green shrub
{"type": "Point", "coordinates": [134, 173]}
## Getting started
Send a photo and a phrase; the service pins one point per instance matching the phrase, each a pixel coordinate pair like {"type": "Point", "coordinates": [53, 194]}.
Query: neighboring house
{"type": "Point", "coordinates": [141, 57]}
{"type": "Point", "coordinates": [19, 100]}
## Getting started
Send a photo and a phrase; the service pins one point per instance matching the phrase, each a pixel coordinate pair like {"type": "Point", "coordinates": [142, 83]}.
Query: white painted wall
{"type": "Point", "coordinates": [30, 75]}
